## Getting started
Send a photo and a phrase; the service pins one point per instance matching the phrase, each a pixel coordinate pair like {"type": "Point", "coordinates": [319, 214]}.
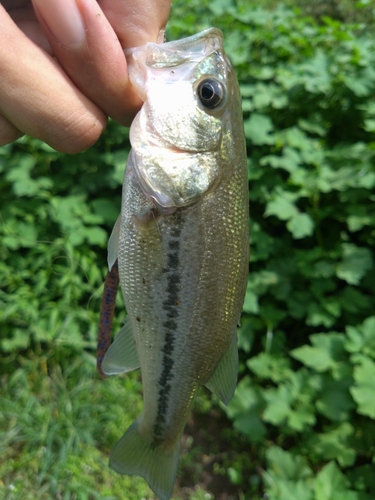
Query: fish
{"type": "Point", "coordinates": [182, 244]}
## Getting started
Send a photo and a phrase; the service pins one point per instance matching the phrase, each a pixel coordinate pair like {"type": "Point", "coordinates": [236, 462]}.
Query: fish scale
{"type": "Point", "coordinates": [182, 246]}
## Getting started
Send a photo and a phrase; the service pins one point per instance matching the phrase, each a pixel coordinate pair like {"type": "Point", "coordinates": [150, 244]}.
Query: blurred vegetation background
{"type": "Point", "coordinates": [301, 425]}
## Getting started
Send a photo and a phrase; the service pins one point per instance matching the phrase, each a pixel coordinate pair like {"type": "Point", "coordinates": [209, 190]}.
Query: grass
{"type": "Point", "coordinates": [58, 426]}
{"type": "Point", "coordinates": [343, 10]}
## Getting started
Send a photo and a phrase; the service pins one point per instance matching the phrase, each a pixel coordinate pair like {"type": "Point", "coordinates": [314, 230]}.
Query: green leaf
{"type": "Point", "coordinates": [251, 301]}
{"type": "Point", "coordinates": [312, 125]}
{"type": "Point", "coordinates": [361, 339]}
{"type": "Point", "coordinates": [361, 85]}
{"type": "Point", "coordinates": [290, 403]}
{"type": "Point", "coordinates": [219, 7]}
{"type": "Point", "coordinates": [363, 479]}
{"type": "Point", "coordinates": [19, 176]}
{"type": "Point", "coordinates": [289, 161]}
{"type": "Point", "coordinates": [354, 301]}
{"type": "Point", "coordinates": [369, 125]}
{"type": "Point", "coordinates": [278, 405]}
{"type": "Point", "coordinates": [355, 263]}
{"type": "Point", "coordinates": [282, 489]}
{"type": "Point", "coordinates": [261, 244]}
{"type": "Point", "coordinates": [335, 444]}
{"type": "Point", "coordinates": [300, 225]}
{"type": "Point", "coordinates": [324, 269]}
{"type": "Point", "coordinates": [318, 315]}
{"type": "Point", "coordinates": [281, 206]}
{"type": "Point", "coordinates": [258, 129]}
{"type": "Point", "coordinates": [246, 335]}
{"type": "Point", "coordinates": [18, 341]}
{"type": "Point", "coordinates": [331, 484]}
{"type": "Point", "coordinates": [363, 391]}
{"type": "Point", "coordinates": [335, 401]}
{"type": "Point", "coordinates": [359, 217]}
{"type": "Point", "coordinates": [325, 353]}
{"type": "Point", "coordinates": [266, 366]}
{"type": "Point", "coordinates": [244, 410]}
{"type": "Point", "coordinates": [20, 235]}
{"type": "Point", "coordinates": [286, 465]}
{"type": "Point", "coordinates": [95, 235]}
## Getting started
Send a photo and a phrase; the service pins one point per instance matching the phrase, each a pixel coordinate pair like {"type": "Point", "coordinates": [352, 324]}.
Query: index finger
{"type": "Point", "coordinates": [136, 22]}
{"type": "Point", "coordinates": [37, 97]}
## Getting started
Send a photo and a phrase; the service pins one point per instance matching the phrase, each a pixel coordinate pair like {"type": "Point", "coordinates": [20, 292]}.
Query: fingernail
{"type": "Point", "coordinates": [64, 20]}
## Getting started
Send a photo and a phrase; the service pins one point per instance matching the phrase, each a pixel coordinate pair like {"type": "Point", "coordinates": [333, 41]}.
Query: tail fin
{"type": "Point", "coordinates": [134, 454]}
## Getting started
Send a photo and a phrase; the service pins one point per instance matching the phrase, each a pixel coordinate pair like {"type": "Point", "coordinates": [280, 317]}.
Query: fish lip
{"type": "Point", "coordinates": [177, 51]}
{"type": "Point", "coordinates": [205, 34]}
{"type": "Point", "coordinates": [179, 47]}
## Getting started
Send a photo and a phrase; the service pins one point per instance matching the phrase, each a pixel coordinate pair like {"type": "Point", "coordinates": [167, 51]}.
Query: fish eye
{"type": "Point", "coordinates": [211, 93]}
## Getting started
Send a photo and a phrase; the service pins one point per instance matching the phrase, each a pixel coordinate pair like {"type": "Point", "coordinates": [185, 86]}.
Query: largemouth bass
{"type": "Point", "coordinates": [182, 245]}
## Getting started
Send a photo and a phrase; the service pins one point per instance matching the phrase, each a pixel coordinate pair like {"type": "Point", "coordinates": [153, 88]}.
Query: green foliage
{"type": "Point", "coordinates": [56, 214]}
{"type": "Point", "coordinates": [290, 477]}
{"type": "Point", "coordinates": [305, 400]}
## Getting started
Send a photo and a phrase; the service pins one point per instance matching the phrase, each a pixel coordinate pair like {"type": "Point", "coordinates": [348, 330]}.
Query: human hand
{"type": "Point", "coordinates": [63, 69]}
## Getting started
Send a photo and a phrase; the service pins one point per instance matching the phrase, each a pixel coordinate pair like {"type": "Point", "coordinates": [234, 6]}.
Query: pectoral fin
{"type": "Point", "coordinates": [122, 356]}
{"type": "Point", "coordinates": [113, 243]}
{"type": "Point", "coordinates": [223, 381]}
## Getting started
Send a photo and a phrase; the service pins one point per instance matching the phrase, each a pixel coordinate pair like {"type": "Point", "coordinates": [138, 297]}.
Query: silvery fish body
{"type": "Point", "coordinates": [182, 245]}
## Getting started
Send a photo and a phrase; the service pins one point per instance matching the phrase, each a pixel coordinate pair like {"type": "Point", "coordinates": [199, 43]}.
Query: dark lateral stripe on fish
{"type": "Point", "coordinates": [170, 305]}
{"type": "Point", "coordinates": [107, 309]}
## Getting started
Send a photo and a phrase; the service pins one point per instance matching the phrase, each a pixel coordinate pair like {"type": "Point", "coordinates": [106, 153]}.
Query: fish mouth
{"type": "Point", "coordinates": [176, 52]}
{"type": "Point", "coordinates": [192, 49]}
